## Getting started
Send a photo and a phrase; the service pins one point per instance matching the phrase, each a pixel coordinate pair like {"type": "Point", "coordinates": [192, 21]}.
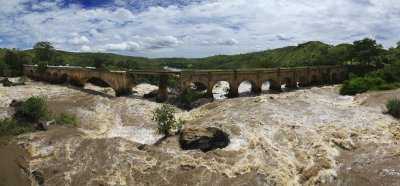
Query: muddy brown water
{"type": "Point", "coordinates": [305, 137]}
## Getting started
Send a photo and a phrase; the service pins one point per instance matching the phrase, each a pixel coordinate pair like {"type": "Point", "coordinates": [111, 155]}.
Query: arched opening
{"type": "Point", "coordinates": [314, 80]}
{"type": "Point", "coordinates": [31, 72]}
{"type": "Point", "coordinates": [54, 77]}
{"type": "Point", "coordinates": [342, 76]}
{"type": "Point", "coordinates": [64, 78]}
{"type": "Point", "coordinates": [247, 88]}
{"type": "Point", "coordinates": [98, 86]}
{"type": "Point", "coordinates": [288, 84]}
{"type": "Point", "coordinates": [335, 78]}
{"type": "Point", "coordinates": [221, 90]}
{"type": "Point", "coordinates": [325, 78]}
{"type": "Point", "coordinates": [302, 82]}
{"type": "Point", "coordinates": [47, 77]}
{"type": "Point", "coordinates": [270, 86]}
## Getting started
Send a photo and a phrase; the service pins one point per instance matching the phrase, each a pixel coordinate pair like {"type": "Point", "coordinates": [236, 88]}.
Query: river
{"type": "Point", "coordinates": [310, 136]}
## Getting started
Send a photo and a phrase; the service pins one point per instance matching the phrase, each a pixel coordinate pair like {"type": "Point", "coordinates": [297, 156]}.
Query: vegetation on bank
{"type": "Point", "coordinates": [65, 119]}
{"type": "Point", "coordinates": [31, 115]}
{"type": "Point", "coordinates": [34, 108]}
{"type": "Point", "coordinates": [12, 126]}
{"type": "Point", "coordinates": [393, 107]}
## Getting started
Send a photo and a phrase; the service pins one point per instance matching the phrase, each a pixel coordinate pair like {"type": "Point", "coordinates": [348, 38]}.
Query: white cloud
{"type": "Point", "coordinates": [78, 40]}
{"type": "Point", "coordinates": [198, 29]}
{"type": "Point", "coordinates": [86, 48]}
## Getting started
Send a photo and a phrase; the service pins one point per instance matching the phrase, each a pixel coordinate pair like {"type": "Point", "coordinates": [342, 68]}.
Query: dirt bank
{"type": "Point", "coordinates": [12, 157]}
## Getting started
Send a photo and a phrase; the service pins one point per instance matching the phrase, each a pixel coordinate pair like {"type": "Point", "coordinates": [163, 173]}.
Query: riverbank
{"type": "Point", "coordinates": [12, 158]}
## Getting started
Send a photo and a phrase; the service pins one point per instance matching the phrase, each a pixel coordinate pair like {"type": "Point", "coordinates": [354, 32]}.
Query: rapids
{"type": "Point", "coordinates": [303, 137]}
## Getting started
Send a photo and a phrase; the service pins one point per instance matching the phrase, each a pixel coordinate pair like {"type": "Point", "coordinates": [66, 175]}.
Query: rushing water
{"type": "Point", "coordinates": [304, 137]}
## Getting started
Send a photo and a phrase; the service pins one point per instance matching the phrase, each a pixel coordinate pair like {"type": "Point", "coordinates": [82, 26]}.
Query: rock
{"type": "Point", "coordinates": [14, 103]}
{"type": "Point", "coordinates": [41, 125]}
{"type": "Point", "coordinates": [38, 177]}
{"type": "Point", "coordinates": [142, 147]}
{"type": "Point", "coordinates": [205, 139]}
{"type": "Point", "coordinates": [7, 83]}
{"type": "Point", "coordinates": [150, 95]}
{"type": "Point", "coordinates": [200, 102]}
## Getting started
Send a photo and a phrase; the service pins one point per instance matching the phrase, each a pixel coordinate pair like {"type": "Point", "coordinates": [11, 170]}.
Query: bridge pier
{"type": "Point", "coordinates": [162, 89]}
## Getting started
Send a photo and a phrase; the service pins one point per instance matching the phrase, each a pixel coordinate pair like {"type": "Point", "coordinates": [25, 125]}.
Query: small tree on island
{"type": "Point", "coordinates": [165, 118]}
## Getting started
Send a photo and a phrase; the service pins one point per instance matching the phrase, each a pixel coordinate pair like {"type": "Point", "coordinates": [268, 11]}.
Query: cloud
{"type": "Point", "coordinates": [140, 44]}
{"type": "Point", "coordinates": [78, 40]}
{"type": "Point", "coordinates": [221, 42]}
{"type": "Point", "coordinates": [193, 28]}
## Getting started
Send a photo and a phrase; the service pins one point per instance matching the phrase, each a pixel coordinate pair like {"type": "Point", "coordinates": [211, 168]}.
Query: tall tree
{"type": "Point", "coordinates": [367, 51]}
{"type": "Point", "coordinates": [44, 50]}
{"type": "Point", "coordinates": [14, 63]}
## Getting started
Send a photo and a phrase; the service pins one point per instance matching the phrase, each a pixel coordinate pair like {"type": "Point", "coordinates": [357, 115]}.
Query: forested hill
{"type": "Point", "coordinates": [307, 54]}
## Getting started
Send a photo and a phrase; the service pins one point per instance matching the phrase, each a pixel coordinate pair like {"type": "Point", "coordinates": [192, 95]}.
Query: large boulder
{"type": "Point", "coordinates": [204, 139]}
{"type": "Point", "coordinates": [152, 94]}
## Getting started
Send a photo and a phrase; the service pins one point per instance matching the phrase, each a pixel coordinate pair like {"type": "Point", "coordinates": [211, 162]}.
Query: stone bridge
{"type": "Point", "coordinates": [290, 77]}
{"type": "Point", "coordinates": [122, 82]}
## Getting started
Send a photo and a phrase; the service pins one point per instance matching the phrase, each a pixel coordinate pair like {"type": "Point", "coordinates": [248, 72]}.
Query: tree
{"type": "Point", "coordinates": [398, 44]}
{"type": "Point", "coordinates": [44, 50]}
{"type": "Point", "coordinates": [165, 118]}
{"type": "Point", "coordinates": [367, 51]}
{"type": "Point", "coordinates": [15, 62]}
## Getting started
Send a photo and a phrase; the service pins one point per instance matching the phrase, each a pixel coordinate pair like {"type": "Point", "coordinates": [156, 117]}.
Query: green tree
{"type": "Point", "coordinates": [44, 50]}
{"type": "Point", "coordinates": [15, 62]}
{"type": "Point", "coordinates": [42, 67]}
{"type": "Point", "coordinates": [367, 51]}
{"type": "Point", "coordinates": [165, 118]}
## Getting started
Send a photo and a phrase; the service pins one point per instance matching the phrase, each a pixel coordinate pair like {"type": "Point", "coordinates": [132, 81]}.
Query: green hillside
{"type": "Point", "coordinates": [307, 54]}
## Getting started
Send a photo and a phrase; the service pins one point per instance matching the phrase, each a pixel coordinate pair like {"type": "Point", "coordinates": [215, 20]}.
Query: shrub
{"type": "Point", "coordinates": [11, 126]}
{"type": "Point", "coordinates": [42, 67]}
{"type": "Point", "coordinates": [387, 87]}
{"type": "Point", "coordinates": [190, 95]}
{"type": "Point", "coordinates": [165, 118]}
{"type": "Point", "coordinates": [360, 85]}
{"type": "Point", "coordinates": [34, 108]}
{"type": "Point", "coordinates": [393, 107]}
{"type": "Point", "coordinates": [65, 119]}
{"type": "Point", "coordinates": [23, 79]}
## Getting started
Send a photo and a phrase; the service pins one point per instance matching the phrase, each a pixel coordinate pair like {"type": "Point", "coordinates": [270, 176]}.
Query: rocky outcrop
{"type": "Point", "coordinates": [151, 94]}
{"type": "Point", "coordinates": [204, 139]}
{"type": "Point", "coordinates": [7, 83]}
{"type": "Point", "coordinates": [199, 102]}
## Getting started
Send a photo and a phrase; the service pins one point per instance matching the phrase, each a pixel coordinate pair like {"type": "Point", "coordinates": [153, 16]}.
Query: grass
{"type": "Point", "coordinates": [393, 107]}
{"type": "Point", "coordinates": [65, 119]}
{"type": "Point", "coordinates": [11, 127]}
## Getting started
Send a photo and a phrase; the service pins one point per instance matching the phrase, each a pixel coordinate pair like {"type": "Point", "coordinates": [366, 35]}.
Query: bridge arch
{"type": "Point", "coordinates": [221, 89]}
{"type": "Point", "coordinates": [334, 77]}
{"type": "Point", "coordinates": [243, 86]}
{"type": "Point", "coordinates": [270, 84]}
{"type": "Point", "coordinates": [54, 77]}
{"type": "Point", "coordinates": [99, 82]}
{"type": "Point", "coordinates": [302, 81]}
{"type": "Point", "coordinates": [289, 82]}
{"type": "Point", "coordinates": [64, 78]}
{"type": "Point", "coordinates": [342, 76]}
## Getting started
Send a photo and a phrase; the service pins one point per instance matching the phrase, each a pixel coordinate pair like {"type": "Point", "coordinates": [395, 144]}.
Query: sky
{"type": "Point", "coordinates": [194, 28]}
